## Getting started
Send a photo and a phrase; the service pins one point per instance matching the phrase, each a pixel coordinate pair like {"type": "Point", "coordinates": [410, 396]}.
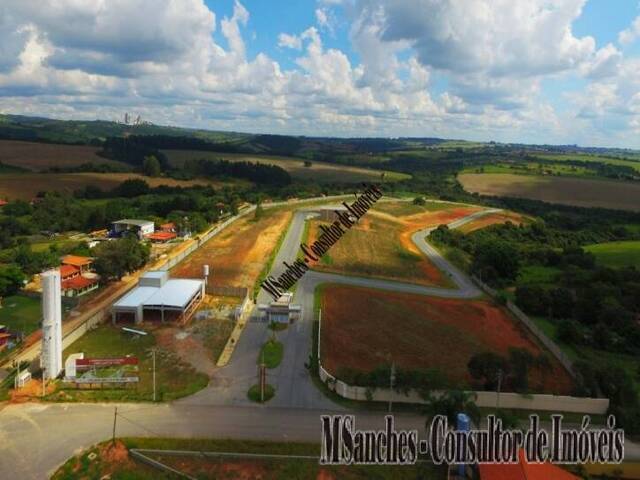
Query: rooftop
{"type": "Point", "coordinates": [68, 270]}
{"type": "Point", "coordinates": [523, 471]}
{"type": "Point", "coordinates": [76, 260]}
{"type": "Point", "coordinates": [174, 293]}
{"type": "Point", "coordinates": [131, 221]}
{"type": "Point", "coordinates": [78, 283]}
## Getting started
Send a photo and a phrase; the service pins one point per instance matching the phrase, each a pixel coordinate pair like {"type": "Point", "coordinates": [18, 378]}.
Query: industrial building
{"type": "Point", "coordinates": [140, 228]}
{"type": "Point", "coordinates": [51, 354]}
{"type": "Point", "coordinates": [157, 297]}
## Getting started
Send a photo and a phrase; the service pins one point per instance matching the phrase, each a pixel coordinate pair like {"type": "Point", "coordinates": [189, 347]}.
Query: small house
{"type": "Point", "coordinates": [140, 228]}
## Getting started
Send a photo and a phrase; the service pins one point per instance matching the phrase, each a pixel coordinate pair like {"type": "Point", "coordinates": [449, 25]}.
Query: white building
{"type": "Point", "coordinates": [138, 227]}
{"type": "Point", "coordinates": [51, 356]}
{"type": "Point", "coordinates": [159, 297]}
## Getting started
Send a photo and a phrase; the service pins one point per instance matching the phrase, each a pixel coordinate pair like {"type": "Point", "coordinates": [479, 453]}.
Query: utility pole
{"type": "Point", "coordinates": [392, 379]}
{"type": "Point", "coordinates": [499, 387]}
{"type": "Point", "coordinates": [154, 374]}
{"type": "Point", "coordinates": [262, 377]}
{"type": "Point", "coordinates": [113, 436]}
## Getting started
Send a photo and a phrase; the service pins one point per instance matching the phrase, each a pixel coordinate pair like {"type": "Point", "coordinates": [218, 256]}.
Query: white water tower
{"type": "Point", "coordinates": [51, 356]}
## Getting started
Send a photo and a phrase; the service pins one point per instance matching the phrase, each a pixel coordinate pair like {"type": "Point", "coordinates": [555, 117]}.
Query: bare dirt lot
{"type": "Point", "coordinates": [27, 185]}
{"type": "Point", "coordinates": [581, 192]}
{"type": "Point", "coordinates": [380, 245]}
{"type": "Point", "coordinates": [43, 156]}
{"type": "Point", "coordinates": [362, 327]}
{"type": "Point", "coordinates": [238, 255]}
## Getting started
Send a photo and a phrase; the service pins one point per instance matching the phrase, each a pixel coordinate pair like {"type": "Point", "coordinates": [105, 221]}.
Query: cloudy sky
{"type": "Point", "coordinates": [538, 71]}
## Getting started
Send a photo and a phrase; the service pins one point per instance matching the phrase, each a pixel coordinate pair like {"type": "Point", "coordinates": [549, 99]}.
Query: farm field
{"type": "Point", "coordinates": [239, 254]}
{"type": "Point", "coordinates": [583, 157]}
{"type": "Point", "coordinates": [580, 192]}
{"type": "Point", "coordinates": [361, 327]}
{"type": "Point", "coordinates": [319, 171]}
{"type": "Point", "coordinates": [28, 185]}
{"type": "Point", "coordinates": [378, 247]}
{"type": "Point", "coordinates": [38, 157]}
{"type": "Point", "coordinates": [616, 254]}
{"type": "Point", "coordinates": [492, 219]}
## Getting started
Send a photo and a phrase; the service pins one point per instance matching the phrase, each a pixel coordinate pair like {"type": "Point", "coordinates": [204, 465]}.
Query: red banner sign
{"type": "Point", "coordinates": [106, 362]}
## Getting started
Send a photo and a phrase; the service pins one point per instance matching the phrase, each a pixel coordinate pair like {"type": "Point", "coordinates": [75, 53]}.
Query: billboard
{"type": "Point", "coordinates": [105, 370]}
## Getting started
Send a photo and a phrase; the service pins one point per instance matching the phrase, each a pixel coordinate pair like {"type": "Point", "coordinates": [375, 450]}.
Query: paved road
{"type": "Point", "coordinates": [35, 439]}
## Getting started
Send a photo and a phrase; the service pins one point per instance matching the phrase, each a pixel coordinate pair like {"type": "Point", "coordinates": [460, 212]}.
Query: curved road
{"type": "Point", "coordinates": [36, 438]}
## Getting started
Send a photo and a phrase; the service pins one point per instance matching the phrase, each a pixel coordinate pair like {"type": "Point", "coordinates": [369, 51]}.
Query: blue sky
{"type": "Point", "coordinates": [537, 71]}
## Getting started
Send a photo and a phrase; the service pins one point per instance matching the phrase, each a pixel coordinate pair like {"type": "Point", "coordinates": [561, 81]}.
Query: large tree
{"type": "Point", "coordinates": [11, 279]}
{"type": "Point", "coordinates": [117, 258]}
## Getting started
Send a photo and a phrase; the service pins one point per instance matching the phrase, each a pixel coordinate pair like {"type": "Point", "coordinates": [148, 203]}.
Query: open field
{"type": "Point", "coordinates": [21, 313]}
{"type": "Point", "coordinates": [616, 254]}
{"type": "Point", "coordinates": [580, 192]}
{"type": "Point", "coordinates": [239, 254]}
{"type": "Point", "coordinates": [114, 461]}
{"type": "Point", "coordinates": [26, 186]}
{"type": "Point", "coordinates": [361, 327]}
{"type": "Point", "coordinates": [380, 248]}
{"type": "Point", "coordinates": [403, 209]}
{"type": "Point", "coordinates": [38, 157]}
{"type": "Point", "coordinates": [319, 171]}
{"type": "Point", "coordinates": [493, 219]}
{"type": "Point", "coordinates": [174, 378]}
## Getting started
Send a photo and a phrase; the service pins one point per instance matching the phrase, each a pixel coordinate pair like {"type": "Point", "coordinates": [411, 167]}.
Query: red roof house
{"type": "Point", "coordinates": [523, 471]}
{"type": "Point", "coordinates": [3, 203]}
{"type": "Point", "coordinates": [79, 285]}
{"type": "Point", "coordinates": [69, 271]}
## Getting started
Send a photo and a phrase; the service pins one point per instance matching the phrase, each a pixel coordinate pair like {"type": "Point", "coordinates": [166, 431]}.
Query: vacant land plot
{"type": "Point", "coordinates": [28, 185]}
{"type": "Point", "coordinates": [492, 219]}
{"type": "Point", "coordinates": [318, 171]}
{"type": "Point", "coordinates": [403, 209]}
{"type": "Point", "coordinates": [564, 190]}
{"type": "Point", "coordinates": [617, 254]}
{"type": "Point", "coordinates": [238, 255]}
{"type": "Point", "coordinates": [174, 378]}
{"type": "Point", "coordinates": [43, 156]}
{"type": "Point", "coordinates": [362, 327]}
{"type": "Point", "coordinates": [381, 248]}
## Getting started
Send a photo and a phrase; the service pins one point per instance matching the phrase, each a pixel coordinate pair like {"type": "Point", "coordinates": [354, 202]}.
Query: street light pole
{"type": "Point", "coordinates": [154, 374]}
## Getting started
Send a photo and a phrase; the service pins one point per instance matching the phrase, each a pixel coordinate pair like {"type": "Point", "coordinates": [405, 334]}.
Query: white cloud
{"type": "Point", "coordinates": [632, 33]}
{"type": "Point", "coordinates": [289, 41]}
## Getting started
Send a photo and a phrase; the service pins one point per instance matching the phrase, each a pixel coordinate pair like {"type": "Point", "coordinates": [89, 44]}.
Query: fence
{"type": "Point", "coordinates": [549, 344]}
{"type": "Point", "coordinates": [534, 402]}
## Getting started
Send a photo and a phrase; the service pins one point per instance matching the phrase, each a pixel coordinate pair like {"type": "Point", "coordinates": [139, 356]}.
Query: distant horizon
{"type": "Point", "coordinates": [450, 139]}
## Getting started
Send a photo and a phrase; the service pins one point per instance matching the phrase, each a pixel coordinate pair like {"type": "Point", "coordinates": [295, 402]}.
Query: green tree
{"type": "Point", "coordinates": [452, 402]}
{"type": "Point", "coordinates": [11, 279]}
{"type": "Point", "coordinates": [151, 166]}
{"type": "Point", "coordinates": [496, 261]}
{"type": "Point", "coordinates": [419, 201]}
{"type": "Point", "coordinates": [487, 367]}
{"type": "Point", "coordinates": [117, 258]}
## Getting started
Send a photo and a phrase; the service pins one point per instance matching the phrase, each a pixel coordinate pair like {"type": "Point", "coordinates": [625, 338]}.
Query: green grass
{"type": "Point", "coordinates": [617, 254]}
{"type": "Point", "coordinates": [80, 466]}
{"type": "Point", "coordinates": [254, 393]}
{"type": "Point", "coordinates": [174, 379]}
{"type": "Point", "coordinates": [271, 353]}
{"type": "Point", "coordinates": [588, 158]}
{"type": "Point", "coordinates": [537, 275]}
{"type": "Point", "coordinates": [21, 313]}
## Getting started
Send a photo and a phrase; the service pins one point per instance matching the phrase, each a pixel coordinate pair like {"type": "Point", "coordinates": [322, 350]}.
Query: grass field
{"type": "Point", "coordinates": [174, 379]}
{"type": "Point", "coordinates": [114, 462]}
{"type": "Point", "coordinates": [39, 157]}
{"type": "Point", "coordinates": [319, 171]}
{"type": "Point", "coordinates": [362, 327]}
{"type": "Point", "coordinates": [580, 192]}
{"type": "Point", "coordinates": [21, 313]}
{"type": "Point", "coordinates": [583, 157]}
{"type": "Point", "coordinates": [616, 254]}
{"type": "Point", "coordinates": [380, 248]}
{"type": "Point", "coordinates": [26, 186]}
{"type": "Point", "coordinates": [239, 254]}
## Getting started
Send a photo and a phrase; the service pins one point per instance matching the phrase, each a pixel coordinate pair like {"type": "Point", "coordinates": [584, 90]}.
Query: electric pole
{"type": "Point", "coordinates": [499, 387]}
{"type": "Point", "coordinates": [392, 379]}
{"type": "Point", "coordinates": [154, 374]}
{"type": "Point", "coordinates": [113, 436]}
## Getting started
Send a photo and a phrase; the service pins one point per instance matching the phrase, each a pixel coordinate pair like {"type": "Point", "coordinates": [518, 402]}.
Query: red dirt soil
{"type": "Point", "coordinates": [361, 327]}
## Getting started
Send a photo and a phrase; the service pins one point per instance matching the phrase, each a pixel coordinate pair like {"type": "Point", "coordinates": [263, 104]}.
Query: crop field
{"type": "Point", "coordinates": [616, 254]}
{"type": "Point", "coordinates": [238, 255]}
{"type": "Point", "coordinates": [28, 185]}
{"type": "Point", "coordinates": [362, 327]}
{"type": "Point", "coordinates": [492, 219]}
{"type": "Point", "coordinates": [318, 171]}
{"type": "Point", "coordinates": [580, 192]}
{"type": "Point", "coordinates": [583, 157]}
{"type": "Point", "coordinates": [380, 248]}
{"type": "Point", "coordinates": [42, 156]}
